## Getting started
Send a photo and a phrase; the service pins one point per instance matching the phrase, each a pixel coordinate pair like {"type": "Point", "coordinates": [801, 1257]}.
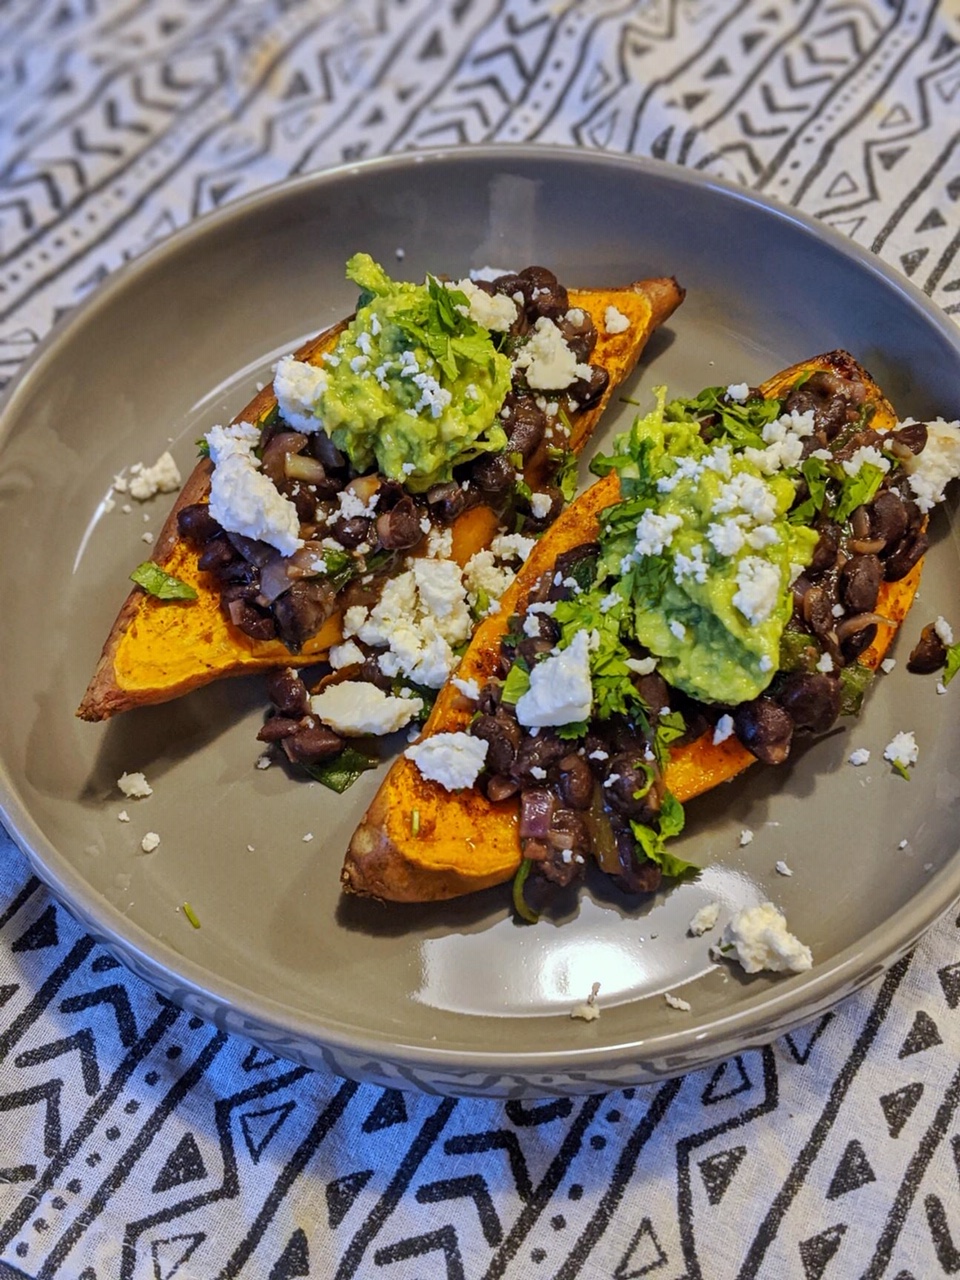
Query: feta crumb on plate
{"type": "Point", "coordinates": [758, 938]}
{"type": "Point", "coordinates": [902, 750]}
{"type": "Point", "coordinates": [704, 920]}
{"type": "Point", "coordinates": [145, 482]}
{"type": "Point", "coordinates": [615, 321]}
{"type": "Point", "coordinates": [123, 816]}
{"type": "Point", "coordinates": [858, 757]}
{"type": "Point", "coordinates": [887, 665]}
{"type": "Point", "coordinates": [134, 786]}
{"type": "Point", "coordinates": [150, 842]}
{"type": "Point", "coordinates": [677, 1002]}
{"type": "Point", "coordinates": [589, 1011]}
{"type": "Point", "coordinates": [783, 869]}
{"type": "Point", "coordinates": [746, 835]}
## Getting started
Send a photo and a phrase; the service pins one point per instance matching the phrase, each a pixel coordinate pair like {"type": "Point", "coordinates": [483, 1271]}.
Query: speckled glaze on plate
{"type": "Point", "coordinates": [452, 997]}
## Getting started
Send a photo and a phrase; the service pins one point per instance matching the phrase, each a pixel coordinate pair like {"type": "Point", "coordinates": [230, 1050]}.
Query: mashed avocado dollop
{"type": "Point", "coordinates": [700, 549]}
{"type": "Point", "coordinates": [414, 384]}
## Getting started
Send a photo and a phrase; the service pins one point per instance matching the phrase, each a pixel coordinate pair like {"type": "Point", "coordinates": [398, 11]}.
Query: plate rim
{"type": "Point", "coordinates": [790, 1001]}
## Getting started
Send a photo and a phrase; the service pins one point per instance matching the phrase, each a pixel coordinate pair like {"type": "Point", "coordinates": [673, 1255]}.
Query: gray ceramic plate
{"type": "Point", "coordinates": [453, 997]}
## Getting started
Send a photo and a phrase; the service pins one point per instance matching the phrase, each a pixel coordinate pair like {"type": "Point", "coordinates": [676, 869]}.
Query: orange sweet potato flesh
{"type": "Point", "coordinates": [463, 841]}
{"type": "Point", "coordinates": [158, 650]}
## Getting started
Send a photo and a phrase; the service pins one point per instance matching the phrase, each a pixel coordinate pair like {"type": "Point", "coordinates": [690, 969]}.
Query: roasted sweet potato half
{"type": "Point", "coordinates": [461, 841]}
{"type": "Point", "coordinates": [158, 650]}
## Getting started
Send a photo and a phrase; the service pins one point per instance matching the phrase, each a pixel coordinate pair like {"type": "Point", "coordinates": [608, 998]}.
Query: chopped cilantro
{"type": "Point", "coordinates": [855, 680]}
{"type": "Point", "coordinates": [191, 915]}
{"type": "Point", "coordinates": [858, 490]}
{"type": "Point", "coordinates": [203, 447]}
{"type": "Point", "coordinates": [160, 584]}
{"type": "Point", "coordinates": [901, 768]}
{"type": "Point", "coordinates": [575, 729]}
{"type": "Point", "coordinates": [565, 476]}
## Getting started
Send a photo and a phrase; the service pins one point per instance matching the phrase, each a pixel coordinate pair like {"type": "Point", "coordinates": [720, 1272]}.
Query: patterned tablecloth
{"type": "Point", "coordinates": [139, 1142]}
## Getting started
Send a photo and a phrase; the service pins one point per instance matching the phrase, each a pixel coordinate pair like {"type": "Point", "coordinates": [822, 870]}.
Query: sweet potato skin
{"type": "Point", "coordinates": [464, 842]}
{"type": "Point", "coordinates": [159, 650]}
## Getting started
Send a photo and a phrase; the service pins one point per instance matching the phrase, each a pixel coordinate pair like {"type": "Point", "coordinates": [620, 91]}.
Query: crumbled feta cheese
{"type": "Point", "coordinates": [589, 1011]}
{"type": "Point", "coordinates": [763, 536]}
{"type": "Point", "coordinates": [537, 772]}
{"type": "Point", "coordinates": [765, 663]}
{"type": "Point", "coordinates": [723, 729]}
{"type": "Point", "coordinates": [243, 499]}
{"type": "Point", "coordinates": [494, 311]}
{"type": "Point", "coordinates": [599, 754]}
{"type": "Point", "coordinates": [941, 687]}
{"type": "Point", "coordinates": [677, 1002]}
{"type": "Point", "coordinates": [308, 837]}
{"type": "Point", "coordinates": [150, 842]}
{"type": "Point", "coordinates": [147, 537]}
{"type": "Point", "coordinates": [945, 632]}
{"type": "Point", "coordinates": [692, 566]}
{"type": "Point", "coordinates": [825, 663]}
{"type": "Point", "coordinates": [655, 532]}
{"type": "Point", "coordinates": [145, 482]}
{"type": "Point", "coordinates": [512, 546]}
{"type": "Point", "coordinates": [615, 321]}
{"type": "Point", "coordinates": [837, 610]}
{"type": "Point", "coordinates": [738, 391]}
{"type": "Point", "coordinates": [748, 493]}
{"type": "Point", "coordinates": [134, 786]}
{"type": "Point", "coordinates": [469, 688]}
{"type": "Point", "coordinates": [902, 750]}
{"type": "Point", "coordinates": [299, 387]}
{"type": "Point", "coordinates": [859, 757]}
{"type": "Point", "coordinates": [123, 816]}
{"type": "Point", "coordinates": [344, 655]}
{"type": "Point", "coordinates": [783, 869]}
{"type": "Point", "coordinates": [560, 690]}
{"type": "Point", "coordinates": [758, 589]}
{"type": "Point", "coordinates": [866, 454]}
{"type": "Point", "coordinates": [452, 759]}
{"type": "Point", "coordinates": [482, 573]}
{"type": "Point", "coordinates": [746, 836]}
{"type": "Point", "coordinates": [757, 937]}
{"type": "Point", "coordinates": [540, 504]}
{"type": "Point", "coordinates": [490, 273]}
{"type": "Point", "coordinates": [548, 362]}
{"type": "Point", "coordinates": [887, 665]}
{"type": "Point", "coordinates": [727, 537]}
{"type": "Point", "coordinates": [704, 919]}
{"type": "Point", "coordinates": [903, 844]}
{"type": "Point", "coordinates": [677, 629]}
{"type": "Point", "coordinates": [931, 470]}
{"type": "Point", "coordinates": [357, 708]}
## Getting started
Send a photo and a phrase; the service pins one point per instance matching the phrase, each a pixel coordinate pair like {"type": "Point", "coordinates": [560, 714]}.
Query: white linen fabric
{"type": "Point", "coordinates": [139, 1142]}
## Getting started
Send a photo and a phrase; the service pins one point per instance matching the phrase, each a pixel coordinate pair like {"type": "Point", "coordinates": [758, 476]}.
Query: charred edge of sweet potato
{"type": "Point", "coordinates": [385, 860]}
{"type": "Point", "coordinates": [106, 694]}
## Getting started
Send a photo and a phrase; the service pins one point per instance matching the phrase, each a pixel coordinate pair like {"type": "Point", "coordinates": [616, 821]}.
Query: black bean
{"type": "Point", "coordinates": [817, 610]}
{"type": "Point", "coordinates": [538, 753]}
{"type": "Point", "coordinates": [287, 692]}
{"type": "Point", "coordinates": [216, 554]}
{"type": "Point", "coordinates": [278, 727]}
{"type": "Point", "coordinates": [812, 700]}
{"type": "Point", "coordinates": [637, 874]}
{"type": "Point", "coordinates": [494, 473]}
{"type": "Point", "coordinates": [860, 581]}
{"type": "Point", "coordinates": [447, 500]}
{"type": "Point", "coordinates": [576, 781]}
{"type": "Point", "coordinates": [350, 531]}
{"type": "Point", "coordinates": [625, 778]}
{"type": "Point", "coordinates": [913, 437]}
{"type": "Point", "coordinates": [302, 611]}
{"type": "Point", "coordinates": [587, 391]}
{"type": "Point", "coordinates": [399, 527]}
{"type": "Point", "coordinates": [197, 525]}
{"type": "Point", "coordinates": [765, 729]}
{"type": "Point", "coordinates": [825, 552]}
{"type": "Point", "coordinates": [899, 563]}
{"type": "Point", "coordinates": [503, 737]}
{"type": "Point", "coordinates": [889, 518]}
{"type": "Point", "coordinates": [312, 744]}
{"type": "Point", "coordinates": [250, 620]}
{"type": "Point", "coordinates": [580, 335]}
{"type": "Point", "coordinates": [526, 426]}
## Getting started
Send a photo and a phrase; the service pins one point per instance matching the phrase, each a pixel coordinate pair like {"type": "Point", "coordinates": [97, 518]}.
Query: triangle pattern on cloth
{"type": "Point", "coordinates": [899, 1106]}
{"type": "Point", "coordinates": [853, 1171]}
{"type": "Point", "coordinates": [842, 185]}
{"type": "Point", "coordinates": [295, 1259]}
{"type": "Point", "coordinates": [931, 221]}
{"type": "Point", "coordinates": [889, 158]}
{"type": "Point", "coordinates": [947, 89]}
{"type": "Point", "coordinates": [816, 1252]}
{"type": "Point", "coordinates": [910, 261]}
{"type": "Point", "coordinates": [949, 975]}
{"type": "Point", "coordinates": [719, 68]}
{"type": "Point", "coordinates": [8, 990]}
{"type": "Point", "coordinates": [42, 933]}
{"type": "Point", "coordinates": [719, 1089]}
{"type": "Point", "coordinates": [259, 1127]}
{"type": "Point", "coordinates": [794, 1039]}
{"type": "Point", "coordinates": [257, 1059]}
{"type": "Point", "coordinates": [644, 1254]}
{"type": "Point", "coordinates": [184, 1164]}
{"type": "Point", "coordinates": [896, 116]}
{"type": "Point", "coordinates": [718, 1172]}
{"type": "Point", "coordinates": [924, 1034]}
{"type": "Point", "coordinates": [953, 188]}
{"type": "Point", "coordinates": [171, 1252]}
{"type": "Point", "coordinates": [342, 1192]}
{"type": "Point", "coordinates": [390, 1109]}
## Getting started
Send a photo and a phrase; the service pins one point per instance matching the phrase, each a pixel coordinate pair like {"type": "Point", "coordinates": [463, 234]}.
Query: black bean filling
{"type": "Point", "coordinates": [578, 796]}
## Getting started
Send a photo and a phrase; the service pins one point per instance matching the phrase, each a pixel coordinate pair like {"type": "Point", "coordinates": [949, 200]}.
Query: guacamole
{"type": "Point", "coordinates": [699, 556]}
{"type": "Point", "coordinates": [414, 385]}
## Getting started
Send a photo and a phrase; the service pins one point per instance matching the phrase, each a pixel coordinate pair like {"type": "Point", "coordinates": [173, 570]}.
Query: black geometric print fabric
{"type": "Point", "coordinates": [138, 1142]}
